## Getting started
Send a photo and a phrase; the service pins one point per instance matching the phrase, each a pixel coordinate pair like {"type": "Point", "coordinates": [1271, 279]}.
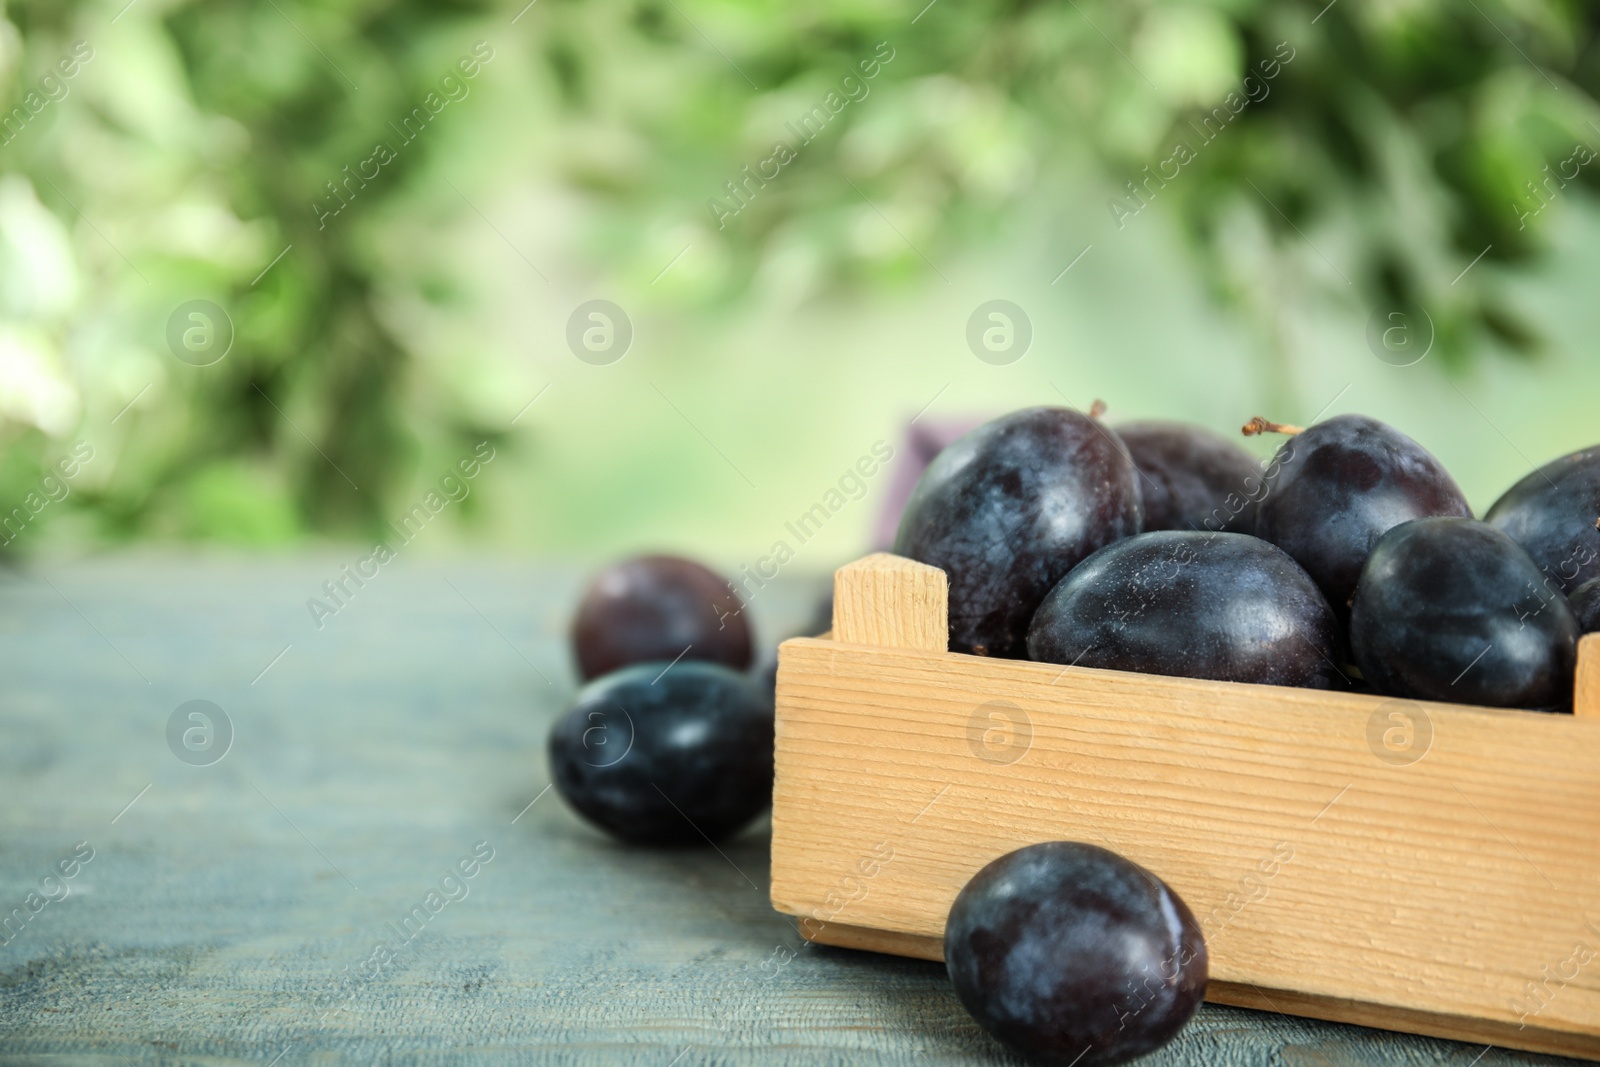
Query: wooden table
{"type": "Point", "coordinates": [231, 910]}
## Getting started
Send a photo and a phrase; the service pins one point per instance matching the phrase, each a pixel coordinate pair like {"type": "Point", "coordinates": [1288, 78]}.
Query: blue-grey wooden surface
{"type": "Point", "coordinates": [218, 917]}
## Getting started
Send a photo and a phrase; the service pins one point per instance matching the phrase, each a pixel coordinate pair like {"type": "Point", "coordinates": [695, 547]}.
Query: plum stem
{"type": "Point", "coordinates": [1260, 425]}
{"type": "Point", "coordinates": [1097, 408]}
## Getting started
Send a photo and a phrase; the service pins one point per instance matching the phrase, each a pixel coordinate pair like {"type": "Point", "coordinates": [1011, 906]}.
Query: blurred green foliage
{"type": "Point", "coordinates": [202, 142]}
{"type": "Point", "coordinates": [1403, 139]}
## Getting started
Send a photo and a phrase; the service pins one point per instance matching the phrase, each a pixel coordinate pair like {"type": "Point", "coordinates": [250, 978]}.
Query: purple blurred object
{"type": "Point", "coordinates": [923, 440]}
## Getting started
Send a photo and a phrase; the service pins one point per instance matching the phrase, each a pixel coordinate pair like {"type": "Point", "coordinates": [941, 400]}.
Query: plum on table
{"type": "Point", "coordinates": [666, 754]}
{"type": "Point", "coordinates": [658, 608]}
{"type": "Point", "coordinates": [1071, 954]}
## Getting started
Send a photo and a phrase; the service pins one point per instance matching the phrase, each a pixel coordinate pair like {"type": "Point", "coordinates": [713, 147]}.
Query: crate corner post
{"type": "Point", "coordinates": [891, 602]}
{"type": "Point", "coordinates": [883, 603]}
{"type": "Point", "coordinates": [1586, 690]}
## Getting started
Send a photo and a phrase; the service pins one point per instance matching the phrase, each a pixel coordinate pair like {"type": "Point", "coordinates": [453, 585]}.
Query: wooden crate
{"type": "Point", "coordinates": [1416, 866]}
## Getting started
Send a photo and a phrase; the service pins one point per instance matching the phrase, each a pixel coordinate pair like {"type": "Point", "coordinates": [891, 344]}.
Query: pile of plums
{"type": "Point", "coordinates": [1066, 952]}
{"type": "Point", "coordinates": [670, 742]}
{"type": "Point", "coordinates": [1349, 559]}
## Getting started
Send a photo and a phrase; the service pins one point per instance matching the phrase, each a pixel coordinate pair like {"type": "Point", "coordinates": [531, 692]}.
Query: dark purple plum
{"type": "Point", "coordinates": [1453, 609]}
{"type": "Point", "coordinates": [663, 756]}
{"type": "Point", "coordinates": [1552, 513]}
{"type": "Point", "coordinates": [1073, 955]}
{"type": "Point", "coordinates": [1336, 487]}
{"type": "Point", "coordinates": [654, 608]}
{"type": "Point", "coordinates": [1193, 479]}
{"type": "Point", "coordinates": [1009, 508]}
{"type": "Point", "coordinates": [1585, 604]}
{"type": "Point", "coordinates": [1226, 606]}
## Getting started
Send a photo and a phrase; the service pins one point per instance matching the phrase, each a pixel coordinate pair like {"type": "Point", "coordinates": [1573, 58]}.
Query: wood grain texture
{"type": "Point", "coordinates": [1383, 861]}
{"type": "Point", "coordinates": [891, 602]}
{"type": "Point", "coordinates": [1586, 689]}
{"type": "Point", "coordinates": [213, 928]}
{"type": "Point", "coordinates": [867, 939]}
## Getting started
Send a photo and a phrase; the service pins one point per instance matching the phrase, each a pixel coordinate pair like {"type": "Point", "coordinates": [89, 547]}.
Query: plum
{"type": "Point", "coordinates": [1453, 609]}
{"type": "Point", "coordinates": [666, 754]}
{"type": "Point", "coordinates": [1193, 479]}
{"type": "Point", "coordinates": [1338, 486]}
{"type": "Point", "coordinates": [1009, 508]}
{"type": "Point", "coordinates": [1552, 513]}
{"type": "Point", "coordinates": [1226, 606]}
{"type": "Point", "coordinates": [1073, 955]}
{"type": "Point", "coordinates": [658, 608]}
